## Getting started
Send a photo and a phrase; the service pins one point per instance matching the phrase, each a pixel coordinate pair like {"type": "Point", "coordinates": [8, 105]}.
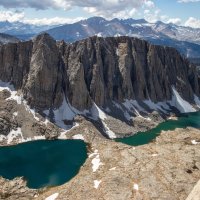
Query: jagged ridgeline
{"type": "Point", "coordinates": [97, 70]}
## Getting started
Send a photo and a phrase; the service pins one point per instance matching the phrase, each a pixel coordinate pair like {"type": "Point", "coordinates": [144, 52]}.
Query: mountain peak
{"type": "Point", "coordinates": [95, 19]}
{"type": "Point", "coordinates": [135, 21]}
{"type": "Point", "coordinates": [43, 36]}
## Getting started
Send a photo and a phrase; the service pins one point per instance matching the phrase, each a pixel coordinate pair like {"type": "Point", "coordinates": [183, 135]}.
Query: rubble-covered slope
{"type": "Point", "coordinates": [102, 78]}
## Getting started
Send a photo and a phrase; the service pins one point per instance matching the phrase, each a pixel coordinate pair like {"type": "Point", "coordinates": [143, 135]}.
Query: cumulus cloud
{"type": "Point", "coordinates": [104, 8]}
{"type": "Point", "coordinates": [111, 8]}
{"type": "Point", "coordinates": [16, 16]}
{"type": "Point", "coordinates": [149, 4]}
{"type": "Point", "coordinates": [45, 4]}
{"type": "Point", "coordinates": [52, 21]}
{"type": "Point", "coordinates": [152, 15]}
{"type": "Point", "coordinates": [11, 16]}
{"type": "Point", "coordinates": [188, 1]}
{"type": "Point", "coordinates": [193, 22]}
{"type": "Point", "coordinates": [37, 4]}
{"type": "Point", "coordinates": [176, 21]}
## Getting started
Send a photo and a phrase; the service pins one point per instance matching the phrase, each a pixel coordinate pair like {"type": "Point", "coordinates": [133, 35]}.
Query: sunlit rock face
{"type": "Point", "coordinates": [99, 70]}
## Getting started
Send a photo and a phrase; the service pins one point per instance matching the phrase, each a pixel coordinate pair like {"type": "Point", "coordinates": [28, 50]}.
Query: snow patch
{"type": "Point", "coordinates": [135, 187]}
{"type": "Point", "coordinates": [117, 51]}
{"type": "Point", "coordinates": [112, 169]}
{"type": "Point", "coordinates": [182, 105]}
{"type": "Point", "coordinates": [14, 134]}
{"type": "Point", "coordinates": [52, 197]}
{"type": "Point", "coordinates": [15, 114]}
{"type": "Point", "coordinates": [32, 111]}
{"type": "Point", "coordinates": [197, 100]}
{"type": "Point", "coordinates": [117, 35]}
{"type": "Point", "coordinates": [110, 133]}
{"type": "Point", "coordinates": [97, 113]}
{"type": "Point", "coordinates": [63, 133]}
{"type": "Point", "coordinates": [40, 137]}
{"type": "Point", "coordinates": [78, 137]}
{"type": "Point", "coordinates": [100, 34]}
{"type": "Point", "coordinates": [161, 106]}
{"type": "Point", "coordinates": [195, 142]}
{"type": "Point", "coordinates": [11, 89]}
{"type": "Point", "coordinates": [2, 137]}
{"type": "Point", "coordinates": [46, 121]}
{"type": "Point", "coordinates": [16, 97]}
{"type": "Point", "coordinates": [133, 106]}
{"type": "Point", "coordinates": [96, 162]}
{"type": "Point", "coordinates": [17, 134]}
{"type": "Point", "coordinates": [93, 154]}
{"type": "Point", "coordinates": [64, 112]}
{"type": "Point", "coordinates": [127, 115]}
{"type": "Point", "coordinates": [96, 184]}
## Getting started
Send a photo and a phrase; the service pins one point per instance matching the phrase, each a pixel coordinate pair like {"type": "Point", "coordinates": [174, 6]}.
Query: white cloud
{"type": "Point", "coordinates": [11, 16]}
{"type": "Point", "coordinates": [104, 8]}
{"type": "Point", "coordinates": [152, 15]}
{"type": "Point", "coordinates": [188, 1]}
{"type": "Point", "coordinates": [20, 17]}
{"type": "Point", "coordinates": [193, 22]}
{"type": "Point", "coordinates": [114, 8]}
{"type": "Point", "coordinates": [176, 21]}
{"type": "Point", "coordinates": [52, 21]}
{"type": "Point", "coordinates": [37, 4]}
{"type": "Point", "coordinates": [149, 4]}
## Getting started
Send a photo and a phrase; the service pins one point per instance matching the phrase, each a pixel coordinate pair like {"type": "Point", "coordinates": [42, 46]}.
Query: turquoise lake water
{"type": "Point", "coordinates": [51, 163]}
{"type": "Point", "coordinates": [43, 163]}
{"type": "Point", "coordinates": [141, 138]}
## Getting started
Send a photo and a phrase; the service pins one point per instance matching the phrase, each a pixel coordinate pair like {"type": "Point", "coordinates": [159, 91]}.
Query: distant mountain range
{"type": "Point", "coordinates": [129, 27]}
{"type": "Point", "coordinates": [184, 39]}
{"type": "Point", "coordinates": [21, 30]}
{"type": "Point", "coordinates": [5, 38]}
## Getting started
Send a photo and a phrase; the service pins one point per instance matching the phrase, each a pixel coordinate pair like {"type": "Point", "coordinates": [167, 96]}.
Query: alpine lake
{"type": "Point", "coordinates": [51, 163]}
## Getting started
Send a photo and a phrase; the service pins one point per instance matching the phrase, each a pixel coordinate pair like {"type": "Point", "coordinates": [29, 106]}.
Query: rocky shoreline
{"type": "Point", "coordinates": [167, 168]}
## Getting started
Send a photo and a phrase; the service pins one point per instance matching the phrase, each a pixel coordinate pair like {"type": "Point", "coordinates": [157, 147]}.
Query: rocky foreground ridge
{"type": "Point", "coordinates": [115, 80]}
{"type": "Point", "coordinates": [167, 168]}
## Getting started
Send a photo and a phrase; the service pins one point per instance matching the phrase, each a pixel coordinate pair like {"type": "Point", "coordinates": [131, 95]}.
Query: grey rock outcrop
{"type": "Point", "coordinates": [43, 86]}
{"type": "Point", "coordinates": [96, 69]}
{"type": "Point", "coordinates": [128, 68]}
{"type": "Point", "coordinates": [16, 189]}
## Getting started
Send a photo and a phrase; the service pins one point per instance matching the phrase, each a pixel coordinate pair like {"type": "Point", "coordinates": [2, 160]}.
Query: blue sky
{"type": "Point", "coordinates": [50, 12]}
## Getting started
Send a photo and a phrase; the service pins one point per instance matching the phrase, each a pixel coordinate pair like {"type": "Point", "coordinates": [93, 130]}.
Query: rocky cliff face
{"type": "Point", "coordinates": [99, 70]}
